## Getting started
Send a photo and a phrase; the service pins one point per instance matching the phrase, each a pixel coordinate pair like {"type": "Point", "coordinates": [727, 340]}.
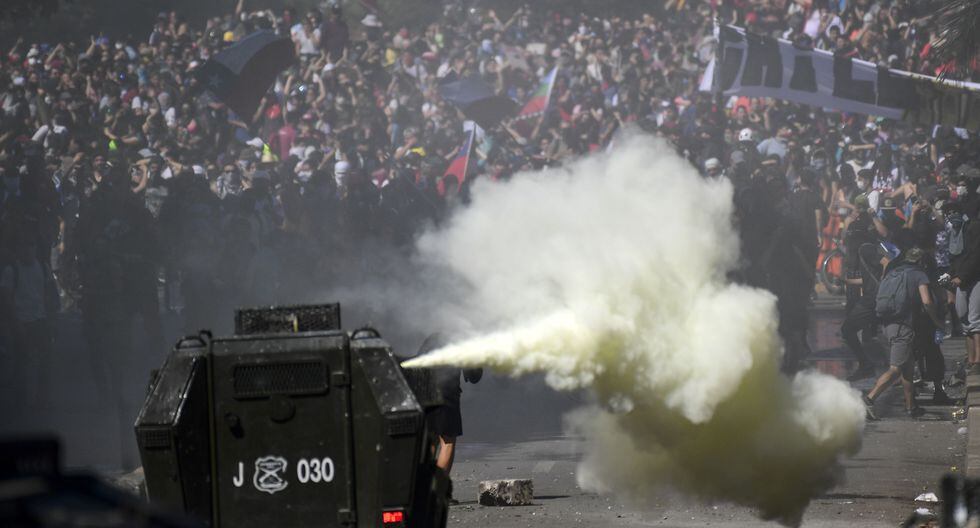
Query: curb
{"type": "Point", "coordinates": [973, 426]}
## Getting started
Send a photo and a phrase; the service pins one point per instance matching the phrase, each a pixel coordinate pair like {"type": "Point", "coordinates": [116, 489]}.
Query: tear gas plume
{"type": "Point", "coordinates": [610, 274]}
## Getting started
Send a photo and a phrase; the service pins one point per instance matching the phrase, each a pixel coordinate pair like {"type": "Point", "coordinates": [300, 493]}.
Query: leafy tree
{"type": "Point", "coordinates": [959, 32]}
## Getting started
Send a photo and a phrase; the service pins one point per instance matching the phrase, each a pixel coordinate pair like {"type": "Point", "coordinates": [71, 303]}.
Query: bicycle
{"type": "Point", "coordinates": [830, 264]}
{"type": "Point", "coordinates": [832, 269]}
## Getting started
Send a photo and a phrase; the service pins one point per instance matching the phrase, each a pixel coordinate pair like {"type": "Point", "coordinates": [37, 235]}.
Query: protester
{"type": "Point", "coordinates": [902, 297]}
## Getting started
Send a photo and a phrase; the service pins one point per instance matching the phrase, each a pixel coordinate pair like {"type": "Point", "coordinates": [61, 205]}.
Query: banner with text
{"type": "Point", "coordinates": [758, 66]}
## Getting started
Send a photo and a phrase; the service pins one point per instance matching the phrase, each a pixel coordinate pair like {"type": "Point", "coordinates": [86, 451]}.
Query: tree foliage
{"type": "Point", "coordinates": [959, 31]}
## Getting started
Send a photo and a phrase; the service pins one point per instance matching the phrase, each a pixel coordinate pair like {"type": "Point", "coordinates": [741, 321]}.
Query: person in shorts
{"type": "Point", "coordinates": [899, 331]}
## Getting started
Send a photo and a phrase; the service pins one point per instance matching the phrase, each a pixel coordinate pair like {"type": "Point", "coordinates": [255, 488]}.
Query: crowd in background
{"type": "Point", "coordinates": [127, 191]}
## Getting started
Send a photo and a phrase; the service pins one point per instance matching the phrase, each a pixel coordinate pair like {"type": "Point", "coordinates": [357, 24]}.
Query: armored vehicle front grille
{"type": "Point", "coordinates": [305, 377]}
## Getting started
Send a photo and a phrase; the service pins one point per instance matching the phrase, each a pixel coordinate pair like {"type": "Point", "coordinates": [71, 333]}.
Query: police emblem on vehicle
{"type": "Point", "coordinates": [270, 474]}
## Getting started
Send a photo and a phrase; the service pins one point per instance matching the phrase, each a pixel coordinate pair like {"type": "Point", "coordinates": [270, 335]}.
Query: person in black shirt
{"type": "Point", "coordinates": [869, 258]}
{"type": "Point", "coordinates": [810, 209]}
{"type": "Point", "coordinates": [446, 420]}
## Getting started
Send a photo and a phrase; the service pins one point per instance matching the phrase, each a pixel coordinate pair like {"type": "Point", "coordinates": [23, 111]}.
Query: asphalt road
{"type": "Point", "coordinates": [900, 458]}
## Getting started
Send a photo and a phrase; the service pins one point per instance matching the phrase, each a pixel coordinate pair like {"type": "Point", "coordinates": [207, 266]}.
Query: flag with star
{"type": "Point", "coordinates": [241, 74]}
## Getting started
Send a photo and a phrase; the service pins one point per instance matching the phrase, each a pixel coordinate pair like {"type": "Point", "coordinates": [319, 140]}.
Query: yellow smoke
{"type": "Point", "coordinates": [610, 275]}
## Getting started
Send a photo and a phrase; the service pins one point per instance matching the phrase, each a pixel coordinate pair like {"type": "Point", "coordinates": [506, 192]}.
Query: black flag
{"type": "Point", "coordinates": [477, 100]}
{"type": "Point", "coordinates": [240, 75]}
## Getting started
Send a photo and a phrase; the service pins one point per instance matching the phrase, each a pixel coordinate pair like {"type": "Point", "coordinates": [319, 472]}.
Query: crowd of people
{"type": "Point", "coordinates": [127, 191]}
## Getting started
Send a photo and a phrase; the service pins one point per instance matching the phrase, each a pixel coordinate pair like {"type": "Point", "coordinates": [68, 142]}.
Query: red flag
{"type": "Point", "coordinates": [457, 167]}
{"type": "Point", "coordinates": [534, 110]}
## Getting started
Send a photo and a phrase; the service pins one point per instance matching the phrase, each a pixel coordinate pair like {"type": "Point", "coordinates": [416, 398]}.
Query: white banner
{"type": "Point", "coordinates": [757, 66]}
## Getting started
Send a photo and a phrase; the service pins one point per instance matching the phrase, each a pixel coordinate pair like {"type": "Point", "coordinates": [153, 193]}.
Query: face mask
{"type": "Point", "coordinates": [961, 190]}
{"type": "Point", "coordinates": [304, 176]}
{"type": "Point", "coordinates": [862, 185]}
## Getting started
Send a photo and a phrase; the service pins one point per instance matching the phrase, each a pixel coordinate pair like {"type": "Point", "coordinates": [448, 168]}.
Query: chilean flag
{"type": "Point", "coordinates": [457, 167]}
{"type": "Point", "coordinates": [525, 121]}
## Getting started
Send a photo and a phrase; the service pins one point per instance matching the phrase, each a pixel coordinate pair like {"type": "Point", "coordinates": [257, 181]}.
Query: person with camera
{"type": "Point", "coordinates": [866, 257]}
{"type": "Point", "coordinates": [925, 224]}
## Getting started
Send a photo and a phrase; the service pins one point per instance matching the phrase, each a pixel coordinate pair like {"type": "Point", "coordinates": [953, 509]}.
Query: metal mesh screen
{"type": "Point", "coordinates": [399, 425]}
{"type": "Point", "coordinates": [154, 438]}
{"type": "Point", "coordinates": [422, 381]}
{"type": "Point", "coordinates": [266, 379]}
{"type": "Point", "coordinates": [287, 319]}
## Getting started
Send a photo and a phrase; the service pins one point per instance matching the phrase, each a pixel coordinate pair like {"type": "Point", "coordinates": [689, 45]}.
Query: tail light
{"type": "Point", "coordinates": [393, 519]}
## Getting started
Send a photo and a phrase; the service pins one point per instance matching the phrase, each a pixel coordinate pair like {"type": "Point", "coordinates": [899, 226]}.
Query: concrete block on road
{"type": "Point", "coordinates": [506, 492]}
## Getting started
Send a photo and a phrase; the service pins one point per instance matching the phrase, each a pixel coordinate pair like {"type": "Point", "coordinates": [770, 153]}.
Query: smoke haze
{"type": "Point", "coordinates": [610, 275]}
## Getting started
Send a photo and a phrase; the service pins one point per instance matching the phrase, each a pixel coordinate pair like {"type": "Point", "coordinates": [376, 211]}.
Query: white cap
{"type": "Point", "coordinates": [199, 170]}
{"type": "Point", "coordinates": [745, 134]}
{"type": "Point", "coordinates": [371, 20]}
{"type": "Point", "coordinates": [329, 67]}
{"type": "Point", "coordinates": [255, 142]}
{"type": "Point", "coordinates": [712, 163]}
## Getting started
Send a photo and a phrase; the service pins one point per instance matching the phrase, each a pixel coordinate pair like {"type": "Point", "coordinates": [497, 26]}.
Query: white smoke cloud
{"type": "Point", "coordinates": [610, 275]}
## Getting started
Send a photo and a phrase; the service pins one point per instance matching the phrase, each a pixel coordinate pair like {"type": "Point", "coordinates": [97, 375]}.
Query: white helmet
{"type": "Point", "coordinates": [340, 171]}
{"type": "Point", "coordinates": [745, 134]}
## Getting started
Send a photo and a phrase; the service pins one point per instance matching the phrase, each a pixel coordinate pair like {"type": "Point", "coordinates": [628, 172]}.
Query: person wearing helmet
{"type": "Point", "coordinates": [747, 146]}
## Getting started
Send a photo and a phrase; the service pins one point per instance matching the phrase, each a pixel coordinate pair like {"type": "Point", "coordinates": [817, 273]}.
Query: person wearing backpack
{"type": "Point", "coordinates": [903, 293]}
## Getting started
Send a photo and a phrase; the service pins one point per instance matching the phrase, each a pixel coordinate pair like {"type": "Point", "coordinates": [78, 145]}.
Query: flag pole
{"type": "Point", "coordinates": [547, 102]}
